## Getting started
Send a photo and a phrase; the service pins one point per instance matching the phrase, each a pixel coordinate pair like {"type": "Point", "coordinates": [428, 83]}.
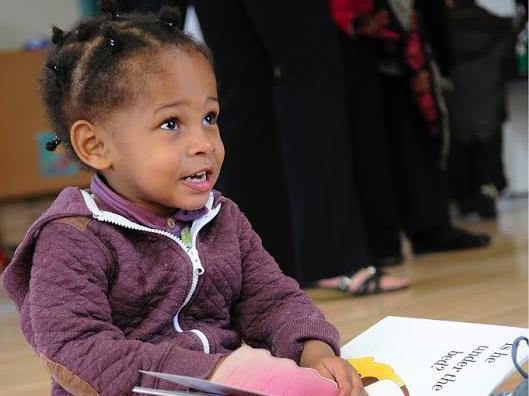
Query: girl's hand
{"type": "Point", "coordinates": [320, 356]}
{"type": "Point", "coordinates": [217, 366]}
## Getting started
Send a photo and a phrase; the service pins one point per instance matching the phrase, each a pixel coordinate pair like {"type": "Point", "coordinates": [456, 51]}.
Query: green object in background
{"type": "Point", "coordinates": [88, 8]}
{"type": "Point", "coordinates": [521, 53]}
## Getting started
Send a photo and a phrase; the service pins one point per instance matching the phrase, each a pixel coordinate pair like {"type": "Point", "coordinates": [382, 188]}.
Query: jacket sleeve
{"type": "Point", "coordinates": [71, 322]}
{"type": "Point", "coordinates": [272, 310]}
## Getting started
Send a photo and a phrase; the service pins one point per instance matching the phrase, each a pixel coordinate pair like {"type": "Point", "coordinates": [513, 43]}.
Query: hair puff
{"type": "Point", "coordinates": [58, 36]}
{"type": "Point", "coordinates": [170, 17]}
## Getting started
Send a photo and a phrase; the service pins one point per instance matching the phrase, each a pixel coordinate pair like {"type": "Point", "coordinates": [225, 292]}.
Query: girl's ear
{"type": "Point", "coordinates": [88, 141]}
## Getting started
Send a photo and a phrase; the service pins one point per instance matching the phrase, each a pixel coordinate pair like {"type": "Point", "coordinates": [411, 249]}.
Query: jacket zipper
{"type": "Point", "coordinates": [191, 251]}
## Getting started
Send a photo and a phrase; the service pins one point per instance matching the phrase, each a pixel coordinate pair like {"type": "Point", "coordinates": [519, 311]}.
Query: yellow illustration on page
{"type": "Point", "coordinates": [371, 371]}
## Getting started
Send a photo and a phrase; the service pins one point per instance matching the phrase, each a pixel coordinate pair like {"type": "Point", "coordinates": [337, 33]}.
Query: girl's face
{"type": "Point", "coordinates": [166, 151]}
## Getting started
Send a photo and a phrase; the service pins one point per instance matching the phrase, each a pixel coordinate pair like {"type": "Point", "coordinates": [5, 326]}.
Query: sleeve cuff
{"type": "Point", "coordinates": [289, 339]}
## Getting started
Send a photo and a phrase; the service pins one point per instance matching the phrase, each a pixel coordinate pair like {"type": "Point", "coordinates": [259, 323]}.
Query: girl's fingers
{"type": "Point", "coordinates": [324, 371]}
{"type": "Point", "coordinates": [358, 387]}
{"type": "Point", "coordinates": [345, 388]}
{"type": "Point", "coordinates": [343, 376]}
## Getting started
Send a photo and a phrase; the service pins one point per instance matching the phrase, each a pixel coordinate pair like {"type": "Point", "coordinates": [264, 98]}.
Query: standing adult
{"type": "Point", "coordinates": [483, 50]}
{"type": "Point", "coordinates": [398, 129]}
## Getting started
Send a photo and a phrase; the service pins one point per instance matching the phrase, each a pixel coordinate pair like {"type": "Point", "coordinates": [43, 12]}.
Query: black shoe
{"type": "Point", "coordinates": [487, 200]}
{"type": "Point", "coordinates": [448, 239]}
{"type": "Point", "coordinates": [483, 202]}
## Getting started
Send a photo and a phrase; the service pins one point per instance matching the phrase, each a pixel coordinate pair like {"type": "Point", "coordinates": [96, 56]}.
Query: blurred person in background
{"type": "Point", "coordinates": [286, 133]}
{"type": "Point", "coordinates": [398, 123]}
{"type": "Point", "coordinates": [482, 41]}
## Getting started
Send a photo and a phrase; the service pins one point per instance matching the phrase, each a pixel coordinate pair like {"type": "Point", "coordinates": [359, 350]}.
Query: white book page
{"type": "Point", "coordinates": [383, 388]}
{"type": "Point", "coordinates": [162, 392]}
{"type": "Point", "coordinates": [440, 358]}
{"type": "Point", "coordinates": [202, 385]}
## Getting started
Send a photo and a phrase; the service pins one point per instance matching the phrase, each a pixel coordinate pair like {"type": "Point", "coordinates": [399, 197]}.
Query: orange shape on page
{"type": "Point", "coordinates": [371, 371]}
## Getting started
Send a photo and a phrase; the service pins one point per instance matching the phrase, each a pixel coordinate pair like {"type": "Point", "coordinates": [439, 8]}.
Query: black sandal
{"type": "Point", "coordinates": [369, 286]}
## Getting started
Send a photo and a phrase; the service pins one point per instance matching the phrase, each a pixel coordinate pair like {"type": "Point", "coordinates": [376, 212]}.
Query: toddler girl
{"type": "Point", "coordinates": [151, 269]}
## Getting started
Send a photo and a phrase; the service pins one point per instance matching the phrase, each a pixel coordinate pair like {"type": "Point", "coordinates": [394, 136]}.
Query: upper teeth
{"type": "Point", "coordinates": [198, 175]}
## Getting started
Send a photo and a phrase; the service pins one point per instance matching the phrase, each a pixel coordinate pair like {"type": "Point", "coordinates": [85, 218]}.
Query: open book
{"type": "Point", "coordinates": [403, 357]}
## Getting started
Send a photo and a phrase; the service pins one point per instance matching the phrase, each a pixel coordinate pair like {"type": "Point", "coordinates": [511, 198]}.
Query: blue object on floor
{"type": "Point", "coordinates": [521, 389]}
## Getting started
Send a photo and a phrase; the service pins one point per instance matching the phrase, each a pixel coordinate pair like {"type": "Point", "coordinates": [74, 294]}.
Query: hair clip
{"type": "Point", "coordinates": [111, 42]}
{"type": "Point", "coordinates": [52, 145]}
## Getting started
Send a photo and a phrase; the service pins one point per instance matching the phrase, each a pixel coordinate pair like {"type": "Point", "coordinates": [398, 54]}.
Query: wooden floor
{"type": "Point", "coordinates": [484, 286]}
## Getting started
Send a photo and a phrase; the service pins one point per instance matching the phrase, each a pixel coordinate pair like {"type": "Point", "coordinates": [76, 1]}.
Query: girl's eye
{"type": "Point", "coordinates": [170, 125]}
{"type": "Point", "coordinates": [210, 118]}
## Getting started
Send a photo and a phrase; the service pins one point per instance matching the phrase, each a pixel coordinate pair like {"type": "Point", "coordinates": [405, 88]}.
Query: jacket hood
{"type": "Point", "coordinates": [15, 278]}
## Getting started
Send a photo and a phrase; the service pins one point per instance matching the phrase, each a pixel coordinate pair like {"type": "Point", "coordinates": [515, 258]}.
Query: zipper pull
{"type": "Point", "coordinates": [197, 266]}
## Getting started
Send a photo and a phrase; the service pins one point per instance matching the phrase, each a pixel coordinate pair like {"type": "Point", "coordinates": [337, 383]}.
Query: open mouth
{"type": "Point", "coordinates": [198, 177]}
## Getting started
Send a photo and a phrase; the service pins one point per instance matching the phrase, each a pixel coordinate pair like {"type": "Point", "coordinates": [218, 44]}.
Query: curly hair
{"type": "Point", "coordinates": [101, 64]}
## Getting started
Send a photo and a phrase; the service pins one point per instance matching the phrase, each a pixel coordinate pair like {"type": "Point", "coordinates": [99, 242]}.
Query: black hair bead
{"type": "Point", "coordinates": [52, 145]}
{"type": "Point", "coordinates": [54, 68]}
{"type": "Point", "coordinates": [113, 44]}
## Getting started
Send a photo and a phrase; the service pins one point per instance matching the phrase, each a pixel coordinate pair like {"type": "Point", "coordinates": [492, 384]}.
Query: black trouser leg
{"type": "Point", "coordinates": [459, 172]}
{"type": "Point", "coordinates": [421, 194]}
{"type": "Point", "coordinates": [371, 148]}
{"type": "Point", "coordinates": [327, 228]}
{"type": "Point", "coordinates": [252, 173]}
{"type": "Point", "coordinates": [473, 164]}
{"type": "Point", "coordinates": [487, 161]}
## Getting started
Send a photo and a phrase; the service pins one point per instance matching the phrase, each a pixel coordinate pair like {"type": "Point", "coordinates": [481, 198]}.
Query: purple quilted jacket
{"type": "Point", "coordinates": [101, 297]}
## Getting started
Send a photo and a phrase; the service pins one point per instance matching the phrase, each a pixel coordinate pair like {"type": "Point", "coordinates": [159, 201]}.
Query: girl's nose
{"type": "Point", "coordinates": [200, 143]}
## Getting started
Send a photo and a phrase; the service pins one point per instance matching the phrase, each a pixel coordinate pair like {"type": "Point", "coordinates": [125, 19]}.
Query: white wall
{"type": "Point", "coordinates": [515, 139]}
{"type": "Point", "coordinates": [23, 19]}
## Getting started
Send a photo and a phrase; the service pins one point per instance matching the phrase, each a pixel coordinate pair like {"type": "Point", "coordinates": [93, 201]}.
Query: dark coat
{"type": "Point", "coordinates": [482, 50]}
